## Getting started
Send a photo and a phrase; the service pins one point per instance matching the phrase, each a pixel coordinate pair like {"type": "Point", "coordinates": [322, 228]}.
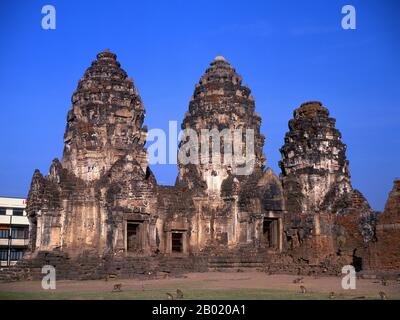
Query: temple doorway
{"type": "Point", "coordinates": [133, 238]}
{"type": "Point", "coordinates": [177, 242]}
{"type": "Point", "coordinates": [270, 235]}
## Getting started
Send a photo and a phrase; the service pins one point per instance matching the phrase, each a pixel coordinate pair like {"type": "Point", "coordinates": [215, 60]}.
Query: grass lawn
{"type": "Point", "coordinates": [207, 286]}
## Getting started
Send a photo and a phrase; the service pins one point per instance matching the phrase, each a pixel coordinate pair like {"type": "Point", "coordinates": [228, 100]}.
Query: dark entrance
{"type": "Point", "coordinates": [177, 242]}
{"type": "Point", "coordinates": [270, 232]}
{"type": "Point", "coordinates": [357, 261]}
{"type": "Point", "coordinates": [133, 236]}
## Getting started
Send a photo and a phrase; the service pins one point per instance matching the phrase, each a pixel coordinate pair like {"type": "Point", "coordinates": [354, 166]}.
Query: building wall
{"type": "Point", "coordinates": [12, 249]}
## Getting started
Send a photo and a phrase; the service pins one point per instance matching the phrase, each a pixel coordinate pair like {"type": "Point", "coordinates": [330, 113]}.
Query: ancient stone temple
{"type": "Point", "coordinates": [101, 211]}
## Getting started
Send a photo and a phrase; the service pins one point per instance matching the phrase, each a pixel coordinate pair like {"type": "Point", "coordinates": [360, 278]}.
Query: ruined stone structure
{"type": "Point", "coordinates": [386, 251]}
{"type": "Point", "coordinates": [324, 212]}
{"type": "Point", "coordinates": [226, 214]}
{"type": "Point", "coordinates": [103, 181]}
{"type": "Point", "coordinates": [100, 210]}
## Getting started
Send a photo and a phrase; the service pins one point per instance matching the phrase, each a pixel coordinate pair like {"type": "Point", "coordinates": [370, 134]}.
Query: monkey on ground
{"type": "Point", "coordinates": [117, 287]}
{"type": "Point", "coordinates": [383, 295]}
{"type": "Point", "coordinates": [179, 294]}
{"type": "Point", "coordinates": [332, 295]}
{"type": "Point", "coordinates": [298, 280]}
{"type": "Point", "coordinates": [169, 296]}
{"type": "Point", "coordinates": [303, 289]}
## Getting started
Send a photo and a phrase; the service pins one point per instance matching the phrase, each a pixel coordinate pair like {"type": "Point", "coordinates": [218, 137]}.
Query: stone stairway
{"type": "Point", "coordinates": [232, 263]}
{"type": "Point", "coordinates": [244, 258]}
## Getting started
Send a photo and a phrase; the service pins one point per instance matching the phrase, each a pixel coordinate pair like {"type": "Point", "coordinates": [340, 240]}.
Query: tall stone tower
{"type": "Point", "coordinates": [314, 177]}
{"type": "Point", "coordinates": [234, 208]}
{"type": "Point", "coordinates": [314, 165]}
{"type": "Point", "coordinates": [105, 121]}
{"type": "Point", "coordinates": [102, 193]}
{"type": "Point", "coordinates": [220, 102]}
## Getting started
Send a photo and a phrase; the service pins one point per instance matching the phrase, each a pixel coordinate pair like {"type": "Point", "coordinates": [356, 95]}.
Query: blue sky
{"type": "Point", "coordinates": [288, 52]}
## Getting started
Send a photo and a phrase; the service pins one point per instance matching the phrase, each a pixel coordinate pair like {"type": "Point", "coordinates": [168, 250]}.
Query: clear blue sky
{"type": "Point", "coordinates": [287, 51]}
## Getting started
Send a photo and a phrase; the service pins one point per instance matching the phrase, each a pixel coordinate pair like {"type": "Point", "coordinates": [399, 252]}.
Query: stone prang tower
{"type": "Point", "coordinates": [320, 200]}
{"type": "Point", "coordinates": [220, 102]}
{"type": "Point", "coordinates": [103, 178]}
{"type": "Point", "coordinates": [314, 165]}
{"type": "Point", "coordinates": [105, 121]}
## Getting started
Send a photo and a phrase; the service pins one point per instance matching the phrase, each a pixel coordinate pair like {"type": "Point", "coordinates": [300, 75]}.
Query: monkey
{"type": "Point", "coordinates": [169, 296]}
{"type": "Point", "coordinates": [298, 280]}
{"type": "Point", "coordinates": [384, 282]}
{"type": "Point", "coordinates": [383, 295]}
{"type": "Point", "coordinates": [332, 295]}
{"type": "Point", "coordinates": [303, 289]}
{"type": "Point", "coordinates": [179, 294]}
{"type": "Point", "coordinates": [106, 279]}
{"type": "Point", "coordinates": [117, 287]}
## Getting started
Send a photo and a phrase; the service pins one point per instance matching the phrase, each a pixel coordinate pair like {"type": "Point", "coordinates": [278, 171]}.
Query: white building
{"type": "Point", "coordinates": [14, 230]}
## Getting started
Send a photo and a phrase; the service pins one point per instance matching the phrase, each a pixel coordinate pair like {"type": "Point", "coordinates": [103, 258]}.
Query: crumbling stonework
{"type": "Point", "coordinates": [100, 210]}
{"type": "Point", "coordinates": [103, 181]}
{"type": "Point", "coordinates": [314, 165]}
{"type": "Point", "coordinates": [326, 218]}
{"type": "Point", "coordinates": [220, 102]}
{"type": "Point", "coordinates": [230, 207]}
{"type": "Point", "coordinates": [386, 252]}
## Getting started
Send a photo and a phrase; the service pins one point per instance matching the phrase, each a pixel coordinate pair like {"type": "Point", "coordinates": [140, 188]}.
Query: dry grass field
{"type": "Point", "coordinates": [209, 286]}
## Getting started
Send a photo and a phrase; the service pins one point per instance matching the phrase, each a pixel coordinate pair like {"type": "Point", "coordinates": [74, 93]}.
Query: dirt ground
{"type": "Point", "coordinates": [240, 283]}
